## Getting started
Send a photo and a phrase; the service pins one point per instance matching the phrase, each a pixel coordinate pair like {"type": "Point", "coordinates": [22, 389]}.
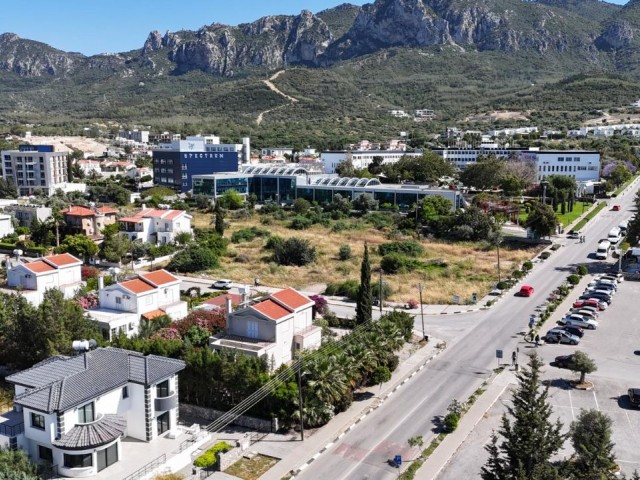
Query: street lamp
{"type": "Point", "coordinates": [419, 286]}
{"type": "Point", "coordinates": [300, 400]}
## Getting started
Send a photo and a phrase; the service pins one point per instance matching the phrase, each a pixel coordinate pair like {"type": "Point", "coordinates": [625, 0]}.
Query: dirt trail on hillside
{"type": "Point", "coordinates": [273, 88]}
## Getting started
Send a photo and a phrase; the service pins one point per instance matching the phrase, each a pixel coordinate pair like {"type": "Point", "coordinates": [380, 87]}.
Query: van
{"type": "Point", "coordinates": [602, 253]}
{"type": "Point", "coordinates": [623, 226]}
{"type": "Point", "coordinates": [614, 235]}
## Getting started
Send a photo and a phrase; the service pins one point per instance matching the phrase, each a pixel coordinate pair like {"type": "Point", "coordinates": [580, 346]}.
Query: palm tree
{"type": "Point", "coordinates": [326, 381]}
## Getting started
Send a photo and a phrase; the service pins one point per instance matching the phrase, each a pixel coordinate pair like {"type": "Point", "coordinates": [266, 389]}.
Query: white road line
{"type": "Point", "coordinates": [596, 400]}
{"type": "Point", "coordinates": [573, 416]}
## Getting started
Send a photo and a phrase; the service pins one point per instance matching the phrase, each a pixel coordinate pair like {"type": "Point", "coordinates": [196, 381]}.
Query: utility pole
{"type": "Point", "coordinates": [421, 311]}
{"type": "Point", "coordinates": [498, 247]}
{"type": "Point", "coordinates": [300, 400]}
{"type": "Point", "coordinates": [380, 295]}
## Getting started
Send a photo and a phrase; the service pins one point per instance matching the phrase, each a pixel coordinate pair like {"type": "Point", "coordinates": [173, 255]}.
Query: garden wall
{"type": "Point", "coordinates": [210, 414]}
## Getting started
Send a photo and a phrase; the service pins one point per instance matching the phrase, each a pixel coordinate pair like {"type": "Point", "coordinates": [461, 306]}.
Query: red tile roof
{"type": "Point", "coordinates": [173, 214]}
{"type": "Point", "coordinates": [39, 266]}
{"type": "Point", "coordinates": [291, 298]}
{"type": "Point", "coordinates": [220, 300]}
{"type": "Point", "coordinates": [271, 309]}
{"type": "Point", "coordinates": [159, 277]}
{"type": "Point", "coordinates": [77, 211]}
{"type": "Point", "coordinates": [155, 213]}
{"type": "Point", "coordinates": [154, 314]}
{"type": "Point", "coordinates": [137, 286]}
{"type": "Point", "coordinates": [62, 259]}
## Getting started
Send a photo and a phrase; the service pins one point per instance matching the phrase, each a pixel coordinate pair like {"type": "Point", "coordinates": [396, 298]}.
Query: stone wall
{"type": "Point", "coordinates": [209, 414]}
{"type": "Point", "coordinates": [225, 460]}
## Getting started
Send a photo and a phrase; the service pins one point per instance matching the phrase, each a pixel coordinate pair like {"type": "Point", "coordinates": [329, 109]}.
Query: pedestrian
{"type": "Point", "coordinates": [256, 281]}
{"type": "Point", "coordinates": [513, 358]}
{"type": "Point", "coordinates": [537, 340]}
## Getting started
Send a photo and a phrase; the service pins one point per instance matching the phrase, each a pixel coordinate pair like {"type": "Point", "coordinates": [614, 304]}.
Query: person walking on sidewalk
{"type": "Point", "coordinates": [537, 340]}
{"type": "Point", "coordinates": [513, 359]}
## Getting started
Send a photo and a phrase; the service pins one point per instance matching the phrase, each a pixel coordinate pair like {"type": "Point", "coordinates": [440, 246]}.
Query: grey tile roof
{"type": "Point", "coordinates": [91, 435]}
{"type": "Point", "coordinates": [66, 382]}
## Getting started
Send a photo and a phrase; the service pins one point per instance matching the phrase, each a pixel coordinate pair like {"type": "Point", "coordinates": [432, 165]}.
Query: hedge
{"type": "Point", "coordinates": [208, 459]}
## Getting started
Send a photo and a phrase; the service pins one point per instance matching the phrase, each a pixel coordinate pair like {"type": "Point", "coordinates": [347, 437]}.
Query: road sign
{"type": "Point", "coordinates": [498, 353]}
{"type": "Point", "coordinates": [456, 299]}
{"type": "Point", "coordinates": [397, 460]}
{"type": "Point", "coordinates": [474, 298]}
{"type": "Point", "coordinates": [532, 321]}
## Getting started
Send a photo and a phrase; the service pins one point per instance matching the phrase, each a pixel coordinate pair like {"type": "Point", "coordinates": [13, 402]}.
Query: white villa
{"type": "Point", "coordinates": [156, 225]}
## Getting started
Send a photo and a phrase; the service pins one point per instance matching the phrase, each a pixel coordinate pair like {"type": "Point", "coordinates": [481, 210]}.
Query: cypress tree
{"type": "Point", "coordinates": [365, 297]}
{"type": "Point", "coordinates": [219, 219]}
{"type": "Point", "coordinates": [530, 439]}
{"type": "Point", "coordinates": [591, 439]}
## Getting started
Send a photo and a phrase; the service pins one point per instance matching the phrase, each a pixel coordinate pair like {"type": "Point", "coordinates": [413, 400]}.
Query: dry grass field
{"type": "Point", "coordinates": [465, 268]}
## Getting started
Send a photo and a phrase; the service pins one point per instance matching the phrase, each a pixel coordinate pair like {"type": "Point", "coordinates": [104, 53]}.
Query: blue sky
{"type": "Point", "coordinates": [93, 26]}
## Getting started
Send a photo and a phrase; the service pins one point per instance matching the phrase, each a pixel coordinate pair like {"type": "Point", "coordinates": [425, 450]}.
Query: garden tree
{"type": "Point", "coordinates": [469, 224]}
{"type": "Point", "coordinates": [182, 238]}
{"type": "Point", "coordinates": [345, 168]}
{"type": "Point", "coordinates": [15, 465]}
{"type": "Point", "coordinates": [41, 233]}
{"type": "Point", "coordinates": [364, 302]}
{"type": "Point", "coordinates": [427, 168]}
{"type": "Point", "coordinates": [78, 245]}
{"type": "Point", "coordinates": [365, 203]}
{"type": "Point", "coordinates": [301, 205]}
{"type": "Point", "coordinates": [523, 170]}
{"type": "Point", "coordinates": [582, 363]}
{"type": "Point", "coordinates": [218, 219]}
{"type": "Point", "coordinates": [293, 251]}
{"type": "Point", "coordinates": [529, 438]}
{"type": "Point", "coordinates": [375, 167]}
{"type": "Point", "coordinates": [486, 173]}
{"type": "Point", "coordinates": [339, 204]}
{"type": "Point", "coordinates": [433, 207]}
{"type": "Point", "coordinates": [511, 185]}
{"type": "Point", "coordinates": [541, 220]}
{"type": "Point", "coordinates": [231, 200]}
{"type": "Point", "coordinates": [8, 189]}
{"type": "Point", "coordinates": [558, 183]}
{"type": "Point", "coordinates": [110, 192]}
{"type": "Point", "coordinates": [147, 327]}
{"type": "Point", "coordinates": [591, 439]}
{"type": "Point", "coordinates": [620, 174]}
{"type": "Point", "coordinates": [193, 258]}
{"type": "Point", "coordinates": [114, 246]}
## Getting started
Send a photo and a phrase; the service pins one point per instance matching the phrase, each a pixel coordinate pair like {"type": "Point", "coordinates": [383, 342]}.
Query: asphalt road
{"type": "Point", "coordinates": [364, 451]}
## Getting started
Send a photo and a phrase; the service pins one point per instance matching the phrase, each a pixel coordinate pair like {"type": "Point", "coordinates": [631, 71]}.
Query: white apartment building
{"type": "Point", "coordinates": [274, 327]}
{"type": "Point", "coordinates": [25, 214]}
{"type": "Point", "coordinates": [36, 167]}
{"type": "Point", "coordinates": [156, 225]}
{"type": "Point", "coordinates": [508, 132]}
{"type": "Point", "coordinates": [33, 279]}
{"type": "Point", "coordinates": [361, 158]}
{"type": "Point", "coordinates": [138, 136]}
{"type": "Point", "coordinates": [72, 412]}
{"type": "Point", "coordinates": [6, 225]}
{"type": "Point", "coordinates": [149, 295]}
{"type": "Point", "coordinates": [276, 151]}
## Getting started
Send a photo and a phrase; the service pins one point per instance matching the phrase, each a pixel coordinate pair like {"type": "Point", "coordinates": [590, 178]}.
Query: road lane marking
{"type": "Point", "coordinates": [573, 416]}
{"type": "Point", "coordinates": [596, 400]}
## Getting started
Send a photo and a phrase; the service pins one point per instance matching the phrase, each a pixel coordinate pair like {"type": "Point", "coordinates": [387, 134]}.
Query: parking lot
{"type": "Point", "coordinates": [615, 348]}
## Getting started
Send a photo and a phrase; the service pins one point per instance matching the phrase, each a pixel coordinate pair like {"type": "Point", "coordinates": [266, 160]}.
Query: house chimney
{"type": "Point", "coordinates": [144, 206]}
{"type": "Point", "coordinates": [228, 307]}
{"type": "Point", "coordinates": [100, 282]}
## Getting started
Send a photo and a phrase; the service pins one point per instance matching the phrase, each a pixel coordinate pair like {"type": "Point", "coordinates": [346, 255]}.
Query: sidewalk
{"type": "Point", "coordinates": [432, 467]}
{"type": "Point", "coordinates": [304, 453]}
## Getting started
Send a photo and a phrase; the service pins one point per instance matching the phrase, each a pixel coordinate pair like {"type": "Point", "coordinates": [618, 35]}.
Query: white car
{"type": "Point", "coordinates": [584, 313]}
{"type": "Point", "coordinates": [618, 277]}
{"type": "Point", "coordinates": [579, 321]}
{"type": "Point", "coordinates": [222, 284]}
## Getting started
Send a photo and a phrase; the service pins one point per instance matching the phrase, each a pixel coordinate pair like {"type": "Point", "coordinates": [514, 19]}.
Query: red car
{"type": "Point", "coordinates": [525, 291]}
{"type": "Point", "coordinates": [617, 208]}
{"type": "Point", "coordinates": [587, 303]}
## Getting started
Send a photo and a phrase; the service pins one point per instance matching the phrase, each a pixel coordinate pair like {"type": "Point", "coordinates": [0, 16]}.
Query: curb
{"type": "Point", "coordinates": [365, 414]}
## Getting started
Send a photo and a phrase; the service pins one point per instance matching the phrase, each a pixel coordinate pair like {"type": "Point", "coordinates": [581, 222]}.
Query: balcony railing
{"type": "Point", "coordinates": [162, 404]}
{"type": "Point", "coordinates": [148, 468]}
{"type": "Point", "coordinates": [11, 430]}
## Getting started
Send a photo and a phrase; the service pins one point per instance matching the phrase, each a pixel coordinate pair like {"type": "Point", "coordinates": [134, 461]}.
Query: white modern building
{"type": "Point", "coordinates": [25, 214]}
{"type": "Point", "coordinates": [6, 225]}
{"type": "Point", "coordinates": [276, 152]}
{"type": "Point", "coordinates": [361, 158]}
{"type": "Point", "coordinates": [38, 167]}
{"type": "Point", "coordinates": [33, 279]}
{"type": "Point", "coordinates": [156, 225]}
{"type": "Point", "coordinates": [149, 295]}
{"type": "Point", "coordinates": [138, 136]}
{"type": "Point", "coordinates": [273, 327]}
{"type": "Point", "coordinates": [73, 412]}
{"type": "Point", "coordinates": [508, 132]}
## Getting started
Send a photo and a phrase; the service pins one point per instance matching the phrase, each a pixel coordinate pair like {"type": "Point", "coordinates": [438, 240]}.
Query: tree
{"type": "Point", "coordinates": [485, 173]}
{"type": "Point", "coordinates": [523, 170]}
{"type": "Point", "coordinates": [194, 258]}
{"type": "Point", "coordinates": [434, 206]}
{"type": "Point", "coordinates": [78, 245]}
{"type": "Point", "coordinates": [530, 439]}
{"type": "Point", "coordinates": [511, 185]}
{"type": "Point", "coordinates": [582, 363]}
{"type": "Point", "coordinates": [294, 251]}
{"type": "Point", "coordinates": [541, 220]}
{"type": "Point", "coordinates": [345, 168]}
{"type": "Point", "coordinates": [231, 200]}
{"type": "Point", "coordinates": [364, 303]}
{"type": "Point", "coordinates": [427, 168]}
{"type": "Point", "coordinates": [375, 167]}
{"type": "Point", "coordinates": [365, 203]}
{"type": "Point", "coordinates": [8, 189]}
{"type": "Point", "coordinates": [301, 205]}
{"type": "Point", "coordinates": [114, 246]}
{"type": "Point", "coordinates": [219, 219]}
{"type": "Point", "coordinates": [591, 439]}
{"type": "Point", "coordinates": [15, 465]}
{"type": "Point", "coordinates": [620, 174]}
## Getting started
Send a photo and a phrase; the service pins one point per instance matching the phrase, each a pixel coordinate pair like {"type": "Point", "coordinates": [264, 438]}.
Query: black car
{"type": "Point", "coordinates": [563, 361]}
{"type": "Point", "coordinates": [634, 397]}
{"type": "Point", "coordinates": [600, 296]}
{"type": "Point", "coordinates": [577, 331]}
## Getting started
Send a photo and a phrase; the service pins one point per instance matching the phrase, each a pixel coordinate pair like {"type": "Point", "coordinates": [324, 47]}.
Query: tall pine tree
{"type": "Point", "coordinates": [365, 297]}
{"type": "Point", "coordinates": [219, 219]}
{"type": "Point", "coordinates": [591, 439]}
{"type": "Point", "coordinates": [530, 439]}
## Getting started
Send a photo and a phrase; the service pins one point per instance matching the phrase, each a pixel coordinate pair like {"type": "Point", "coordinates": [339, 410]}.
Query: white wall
{"type": "Point", "coordinates": [331, 160]}
{"type": "Point", "coordinates": [69, 275]}
{"type": "Point", "coordinates": [135, 413]}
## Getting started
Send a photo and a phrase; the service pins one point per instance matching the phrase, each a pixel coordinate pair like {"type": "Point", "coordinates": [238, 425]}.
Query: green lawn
{"type": "Point", "coordinates": [578, 209]}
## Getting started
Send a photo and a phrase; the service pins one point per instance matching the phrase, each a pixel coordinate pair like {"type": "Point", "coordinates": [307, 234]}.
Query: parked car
{"type": "Point", "coordinates": [556, 335]}
{"type": "Point", "coordinates": [600, 297]}
{"type": "Point", "coordinates": [603, 282]}
{"type": "Point", "coordinates": [584, 313]}
{"type": "Point", "coordinates": [579, 321]}
{"type": "Point", "coordinates": [618, 277]}
{"type": "Point", "coordinates": [603, 287]}
{"type": "Point", "coordinates": [525, 291]}
{"type": "Point", "coordinates": [563, 361]}
{"type": "Point", "coordinates": [634, 397]}
{"type": "Point", "coordinates": [222, 284]}
{"type": "Point", "coordinates": [577, 331]}
{"type": "Point", "coordinates": [590, 302]}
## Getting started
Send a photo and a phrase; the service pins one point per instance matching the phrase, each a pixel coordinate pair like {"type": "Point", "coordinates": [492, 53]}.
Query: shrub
{"type": "Point", "coordinates": [208, 459]}
{"type": "Point", "coordinates": [582, 270]}
{"type": "Point", "coordinates": [573, 279]}
{"type": "Point", "coordinates": [348, 288]}
{"type": "Point", "coordinates": [544, 255]}
{"type": "Point", "coordinates": [386, 290]}
{"type": "Point", "coordinates": [345, 252]}
{"type": "Point", "coordinates": [194, 258]}
{"type": "Point", "coordinates": [300, 223]}
{"type": "Point", "coordinates": [410, 248]}
{"type": "Point", "coordinates": [274, 242]}
{"type": "Point", "coordinates": [517, 274]}
{"type": "Point", "coordinates": [555, 246]}
{"type": "Point", "coordinates": [248, 234]}
{"type": "Point", "coordinates": [294, 251]}
{"type": "Point", "coordinates": [451, 422]}
{"type": "Point", "coordinates": [301, 205]}
{"type": "Point", "coordinates": [413, 303]}
{"type": "Point", "coordinates": [502, 285]}
{"type": "Point", "coordinates": [398, 263]}
{"type": "Point", "coordinates": [526, 266]}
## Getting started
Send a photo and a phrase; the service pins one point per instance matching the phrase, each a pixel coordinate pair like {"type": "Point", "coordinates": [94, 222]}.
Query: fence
{"type": "Point", "coordinates": [148, 468]}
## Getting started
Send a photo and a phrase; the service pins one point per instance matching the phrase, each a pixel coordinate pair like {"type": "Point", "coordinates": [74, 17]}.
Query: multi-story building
{"type": "Point", "coordinates": [274, 327]}
{"type": "Point", "coordinates": [149, 295]}
{"type": "Point", "coordinates": [36, 167]}
{"type": "Point", "coordinates": [25, 214]}
{"type": "Point", "coordinates": [33, 279]}
{"type": "Point", "coordinates": [138, 136]}
{"type": "Point", "coordinates": [175, 163]}
{"type": "Point", "coordinates": [73, 412]}
{"type": "Point", "coordinates": [6, 225]}
{"type": "Point", "coordinates": [89, 221]}
{"type": "Point", "coordinates": [156, 225]}
{"type": "Point", "coordinates": [361, 158]}
{"type": "Point", "coordinates": [582, 165]}
{"type": "Point", "coordinates": [277, 152]}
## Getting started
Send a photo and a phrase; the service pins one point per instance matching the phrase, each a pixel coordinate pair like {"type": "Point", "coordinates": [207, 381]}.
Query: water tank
{"type": "Point", "coordinates": [80, 345]}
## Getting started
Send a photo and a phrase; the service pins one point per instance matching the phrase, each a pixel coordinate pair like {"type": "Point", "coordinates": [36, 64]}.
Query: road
{"type": "Point", "coordinates": [363, 452]}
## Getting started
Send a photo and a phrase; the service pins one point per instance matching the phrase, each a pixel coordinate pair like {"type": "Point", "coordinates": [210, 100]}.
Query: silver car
{"type": "Point", "coordinates": [579, 321]}
{"type": "Point", "coordinates": [556, 335]}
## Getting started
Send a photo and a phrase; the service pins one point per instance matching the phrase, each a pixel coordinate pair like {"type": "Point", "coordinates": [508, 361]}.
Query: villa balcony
{"type": "Point", "coordinates": [163, 404]}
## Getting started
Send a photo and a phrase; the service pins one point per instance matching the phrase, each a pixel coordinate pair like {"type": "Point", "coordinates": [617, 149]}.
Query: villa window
{"type": "Point", "coordinates": [125, 392]}
{"type": "Point", "coordinates": [45, 454]}
{"type": "Point", "coordinates": [78, 461]}
{"type": "Point", "coordinates": [86, 414]}
{"type": "Point", "coordinates": [162, 389]}
{"type": "Point", "coordinates": [37, 421]}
